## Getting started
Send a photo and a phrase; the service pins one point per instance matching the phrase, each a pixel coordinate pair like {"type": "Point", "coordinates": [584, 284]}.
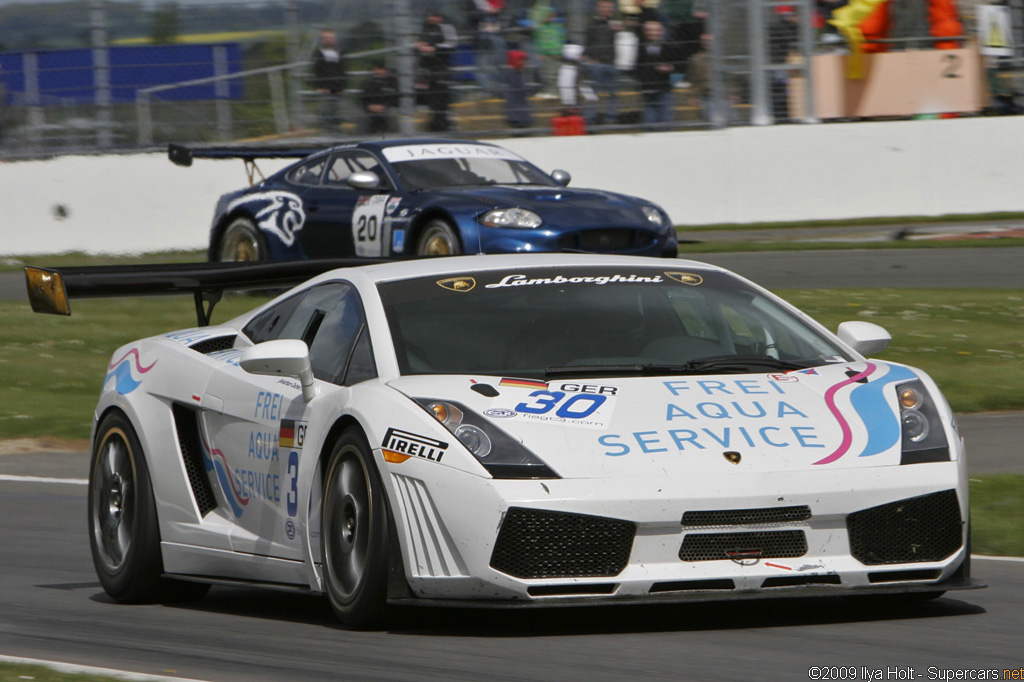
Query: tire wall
{"type": "Point", "coordinates": [141, 202]}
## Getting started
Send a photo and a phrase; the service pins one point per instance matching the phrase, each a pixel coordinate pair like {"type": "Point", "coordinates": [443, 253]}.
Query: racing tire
{"type": "Point", "coordinates": [124, 535]}
{"type": "Point", "coordinates": [241, 242]}
{"type": "Point", "coordinates": [354, 535]}
{"type": "Point", "coordinates": [438, 238]}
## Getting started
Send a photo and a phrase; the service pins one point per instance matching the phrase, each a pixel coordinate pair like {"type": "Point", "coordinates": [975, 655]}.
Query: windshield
{"type": "Point", "coordinates": [433, 166]}
{"type": "Point", "coordinates": [565, 321]}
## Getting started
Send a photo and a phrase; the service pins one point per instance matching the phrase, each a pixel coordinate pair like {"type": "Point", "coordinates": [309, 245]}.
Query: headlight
{"type": "Point", "coordinates": [653, 215]}
{"type": "Point", "coordinates": [511, 217]}
{"type": "Point", "coordinates": [924, 439]}
{"type": "Point", "coordinates": [499, 453]}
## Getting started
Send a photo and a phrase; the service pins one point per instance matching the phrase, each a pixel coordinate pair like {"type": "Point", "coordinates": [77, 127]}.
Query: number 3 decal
{"type": "Point", "coordinates": [292, 496]}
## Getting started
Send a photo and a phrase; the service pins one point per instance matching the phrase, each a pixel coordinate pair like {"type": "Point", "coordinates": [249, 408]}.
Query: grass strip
{"type": "Point", "coordinates": [75, 258]}
{"type": "Point", "coordinates": [52, 367]}
{"type": "Point", "coordinates": [997, 514]}
{"type": "Point", "coordinates": [968, 340]}
{"type": "Point", "coordinates": [687, 250]}
{"type": "Point", "coordinates": [864, 222]}
{"type": "Point", "coordinates": [20, 672]}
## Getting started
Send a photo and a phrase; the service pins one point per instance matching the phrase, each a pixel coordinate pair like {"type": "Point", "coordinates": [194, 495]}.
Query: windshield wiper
{"type": "Point", "coordinates": [725, 364]}
{"type": "Point", "coordinates": [594, 371]}
{"type": "Point", "coordinates": [739, 364]}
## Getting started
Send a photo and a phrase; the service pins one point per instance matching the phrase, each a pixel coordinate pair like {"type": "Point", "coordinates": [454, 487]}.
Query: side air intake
{"type": "Point", "coordinates": [187, 426]}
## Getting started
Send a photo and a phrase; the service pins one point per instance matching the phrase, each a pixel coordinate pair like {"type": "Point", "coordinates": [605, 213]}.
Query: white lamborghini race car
{"type": "Point", "coordinates": [517, 430]}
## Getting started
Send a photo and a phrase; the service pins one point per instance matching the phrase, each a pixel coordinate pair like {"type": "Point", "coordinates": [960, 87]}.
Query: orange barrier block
{"type": "Point", "coordinates": [568, 125]}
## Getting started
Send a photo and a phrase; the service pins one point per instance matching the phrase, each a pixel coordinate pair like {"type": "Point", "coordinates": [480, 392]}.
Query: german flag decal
{"type": "Point", "coordinates": [524, 383]}
{"type": "Point", "coordinates": [292, 434]}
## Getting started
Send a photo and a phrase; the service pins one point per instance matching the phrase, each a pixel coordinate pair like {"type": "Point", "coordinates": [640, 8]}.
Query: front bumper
{"type": "Point", "coordinates": [449, 531]}
{"type": "Point", "coordinates": [697, 596]}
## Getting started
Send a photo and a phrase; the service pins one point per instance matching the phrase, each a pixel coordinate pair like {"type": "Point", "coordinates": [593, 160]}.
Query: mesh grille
{"type": "Point", "coordinates": [925, 528]}
{"type": "Point", "coordinates": [545, 544]}
{"type": "Point", "coordinates": [191, 452]}
{"type": "Point", "coordinates": [746, 517]}
{"type": "Point", "coordinates": [771, 544]}
{"type": "Point", "coordinates": [606, 240]}
{"type": "Point", "coordinates": [213, 345]}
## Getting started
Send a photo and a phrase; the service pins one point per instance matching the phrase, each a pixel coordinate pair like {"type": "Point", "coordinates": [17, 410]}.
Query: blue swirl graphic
{"type": "Point", "coordinates": [873, 409]}
{"type": "Point", "coordinates": [125, 382]}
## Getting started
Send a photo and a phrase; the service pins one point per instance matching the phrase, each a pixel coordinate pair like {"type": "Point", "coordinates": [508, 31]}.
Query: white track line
{"type": "Point", "coordinates": [40, 479]}
{"type": "Point", "coordinates": [1014, 559]}
{"type": "Point", "coordinates": [88, 670]}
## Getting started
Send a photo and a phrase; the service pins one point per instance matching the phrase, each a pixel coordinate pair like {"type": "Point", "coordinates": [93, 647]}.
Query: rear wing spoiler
{"type": "Point", "coordinates": [181, 155]}
{"type": "Point", "coordinates": [51, 289]}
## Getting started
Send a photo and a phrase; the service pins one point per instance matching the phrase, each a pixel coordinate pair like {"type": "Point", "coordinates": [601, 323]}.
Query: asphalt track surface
{"type": "Point", "coordinates": [53, 608]}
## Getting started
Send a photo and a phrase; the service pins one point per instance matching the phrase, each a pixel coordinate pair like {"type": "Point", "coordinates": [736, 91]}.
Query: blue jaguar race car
{"type": "Point", "coordinates": [422, 197]}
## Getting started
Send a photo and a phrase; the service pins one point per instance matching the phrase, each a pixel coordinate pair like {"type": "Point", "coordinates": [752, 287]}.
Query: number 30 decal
{"type": "Point", "coordinates": [578, 406]}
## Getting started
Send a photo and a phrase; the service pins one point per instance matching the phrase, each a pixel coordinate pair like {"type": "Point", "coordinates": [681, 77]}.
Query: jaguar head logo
{"type": "Point", "coordinates": [279, 213]}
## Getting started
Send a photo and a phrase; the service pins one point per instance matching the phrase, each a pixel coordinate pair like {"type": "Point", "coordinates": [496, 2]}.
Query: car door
{"type": "Point", "coordinates": [342, 220]}
{"type": "Point", "coordinates": [257, 438]}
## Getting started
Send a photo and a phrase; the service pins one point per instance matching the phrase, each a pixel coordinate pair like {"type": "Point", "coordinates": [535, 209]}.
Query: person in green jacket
{"type": "Point", "coordinates": [548, 40]}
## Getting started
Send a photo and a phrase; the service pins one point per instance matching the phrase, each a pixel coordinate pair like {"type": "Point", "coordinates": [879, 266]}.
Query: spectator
{"type": "Point", "coordinates": [687, 34]}
{"type": "Point", "coordinates": [656, 63]}
{"type": "Point", "coordinates": [379, 99]}
{"type": "Point", "coordinates": [490, 44]}
{"type": "Point", "coordinates": [698, 74]}
{"type": "Point", "coordinates": [548, 40]}
{"type": "Point", "coordinates": [641, 11]}
{"type": "Point", "coordinates": [784, 39]}
{"type": "Point", "coordinates": [600, 57]}
{"type": "Point", "coordinates": [517, 109]}
{"type": "Point", "coordinates": [435, 45]}
{"type": "Point", "coordinates": [570, 87]}
{"type": "Point", "coordinates": [329, 78]}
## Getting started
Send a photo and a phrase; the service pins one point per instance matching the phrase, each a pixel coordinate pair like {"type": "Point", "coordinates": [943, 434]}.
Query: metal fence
{"type": "Point", "coordinates": [130, 75]}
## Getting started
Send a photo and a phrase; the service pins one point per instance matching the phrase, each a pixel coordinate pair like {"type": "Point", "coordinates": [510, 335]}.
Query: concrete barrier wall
{"type": "Point", "coordinates": [141, 202]}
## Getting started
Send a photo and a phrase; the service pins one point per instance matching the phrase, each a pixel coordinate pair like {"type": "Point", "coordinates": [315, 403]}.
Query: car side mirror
{"type": "Point", "coordinates": [561, 177]}
{"type": "Point", "coordinates": [281, 358]}
{"type": "Point", "coordinates": [364, 180]}
{"type": "Point", "coordinates": [864, 337]}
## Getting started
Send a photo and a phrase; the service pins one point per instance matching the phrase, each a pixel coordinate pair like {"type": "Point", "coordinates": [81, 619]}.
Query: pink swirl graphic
{"type": "Point", "coordinates": [830, 401]}
{"type": "Point", "coordinates": [138, 361]}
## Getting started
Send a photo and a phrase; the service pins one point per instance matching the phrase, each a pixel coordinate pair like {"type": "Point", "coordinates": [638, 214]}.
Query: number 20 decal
{"type": "Point", "coordinates": [578, 406]}
{"type": "Point", "coordinates": [366, 228]}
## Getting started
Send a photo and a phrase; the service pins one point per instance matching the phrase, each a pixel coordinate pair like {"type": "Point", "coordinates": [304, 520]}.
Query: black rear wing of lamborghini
{"type": "Point", "coordinates": [51, 289]}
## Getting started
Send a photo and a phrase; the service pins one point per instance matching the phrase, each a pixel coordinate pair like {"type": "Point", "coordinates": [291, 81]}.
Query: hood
{"type": "Point", "coordinates": [837, 416]}
{"type": "Point", "coordinates": [556, 204]}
